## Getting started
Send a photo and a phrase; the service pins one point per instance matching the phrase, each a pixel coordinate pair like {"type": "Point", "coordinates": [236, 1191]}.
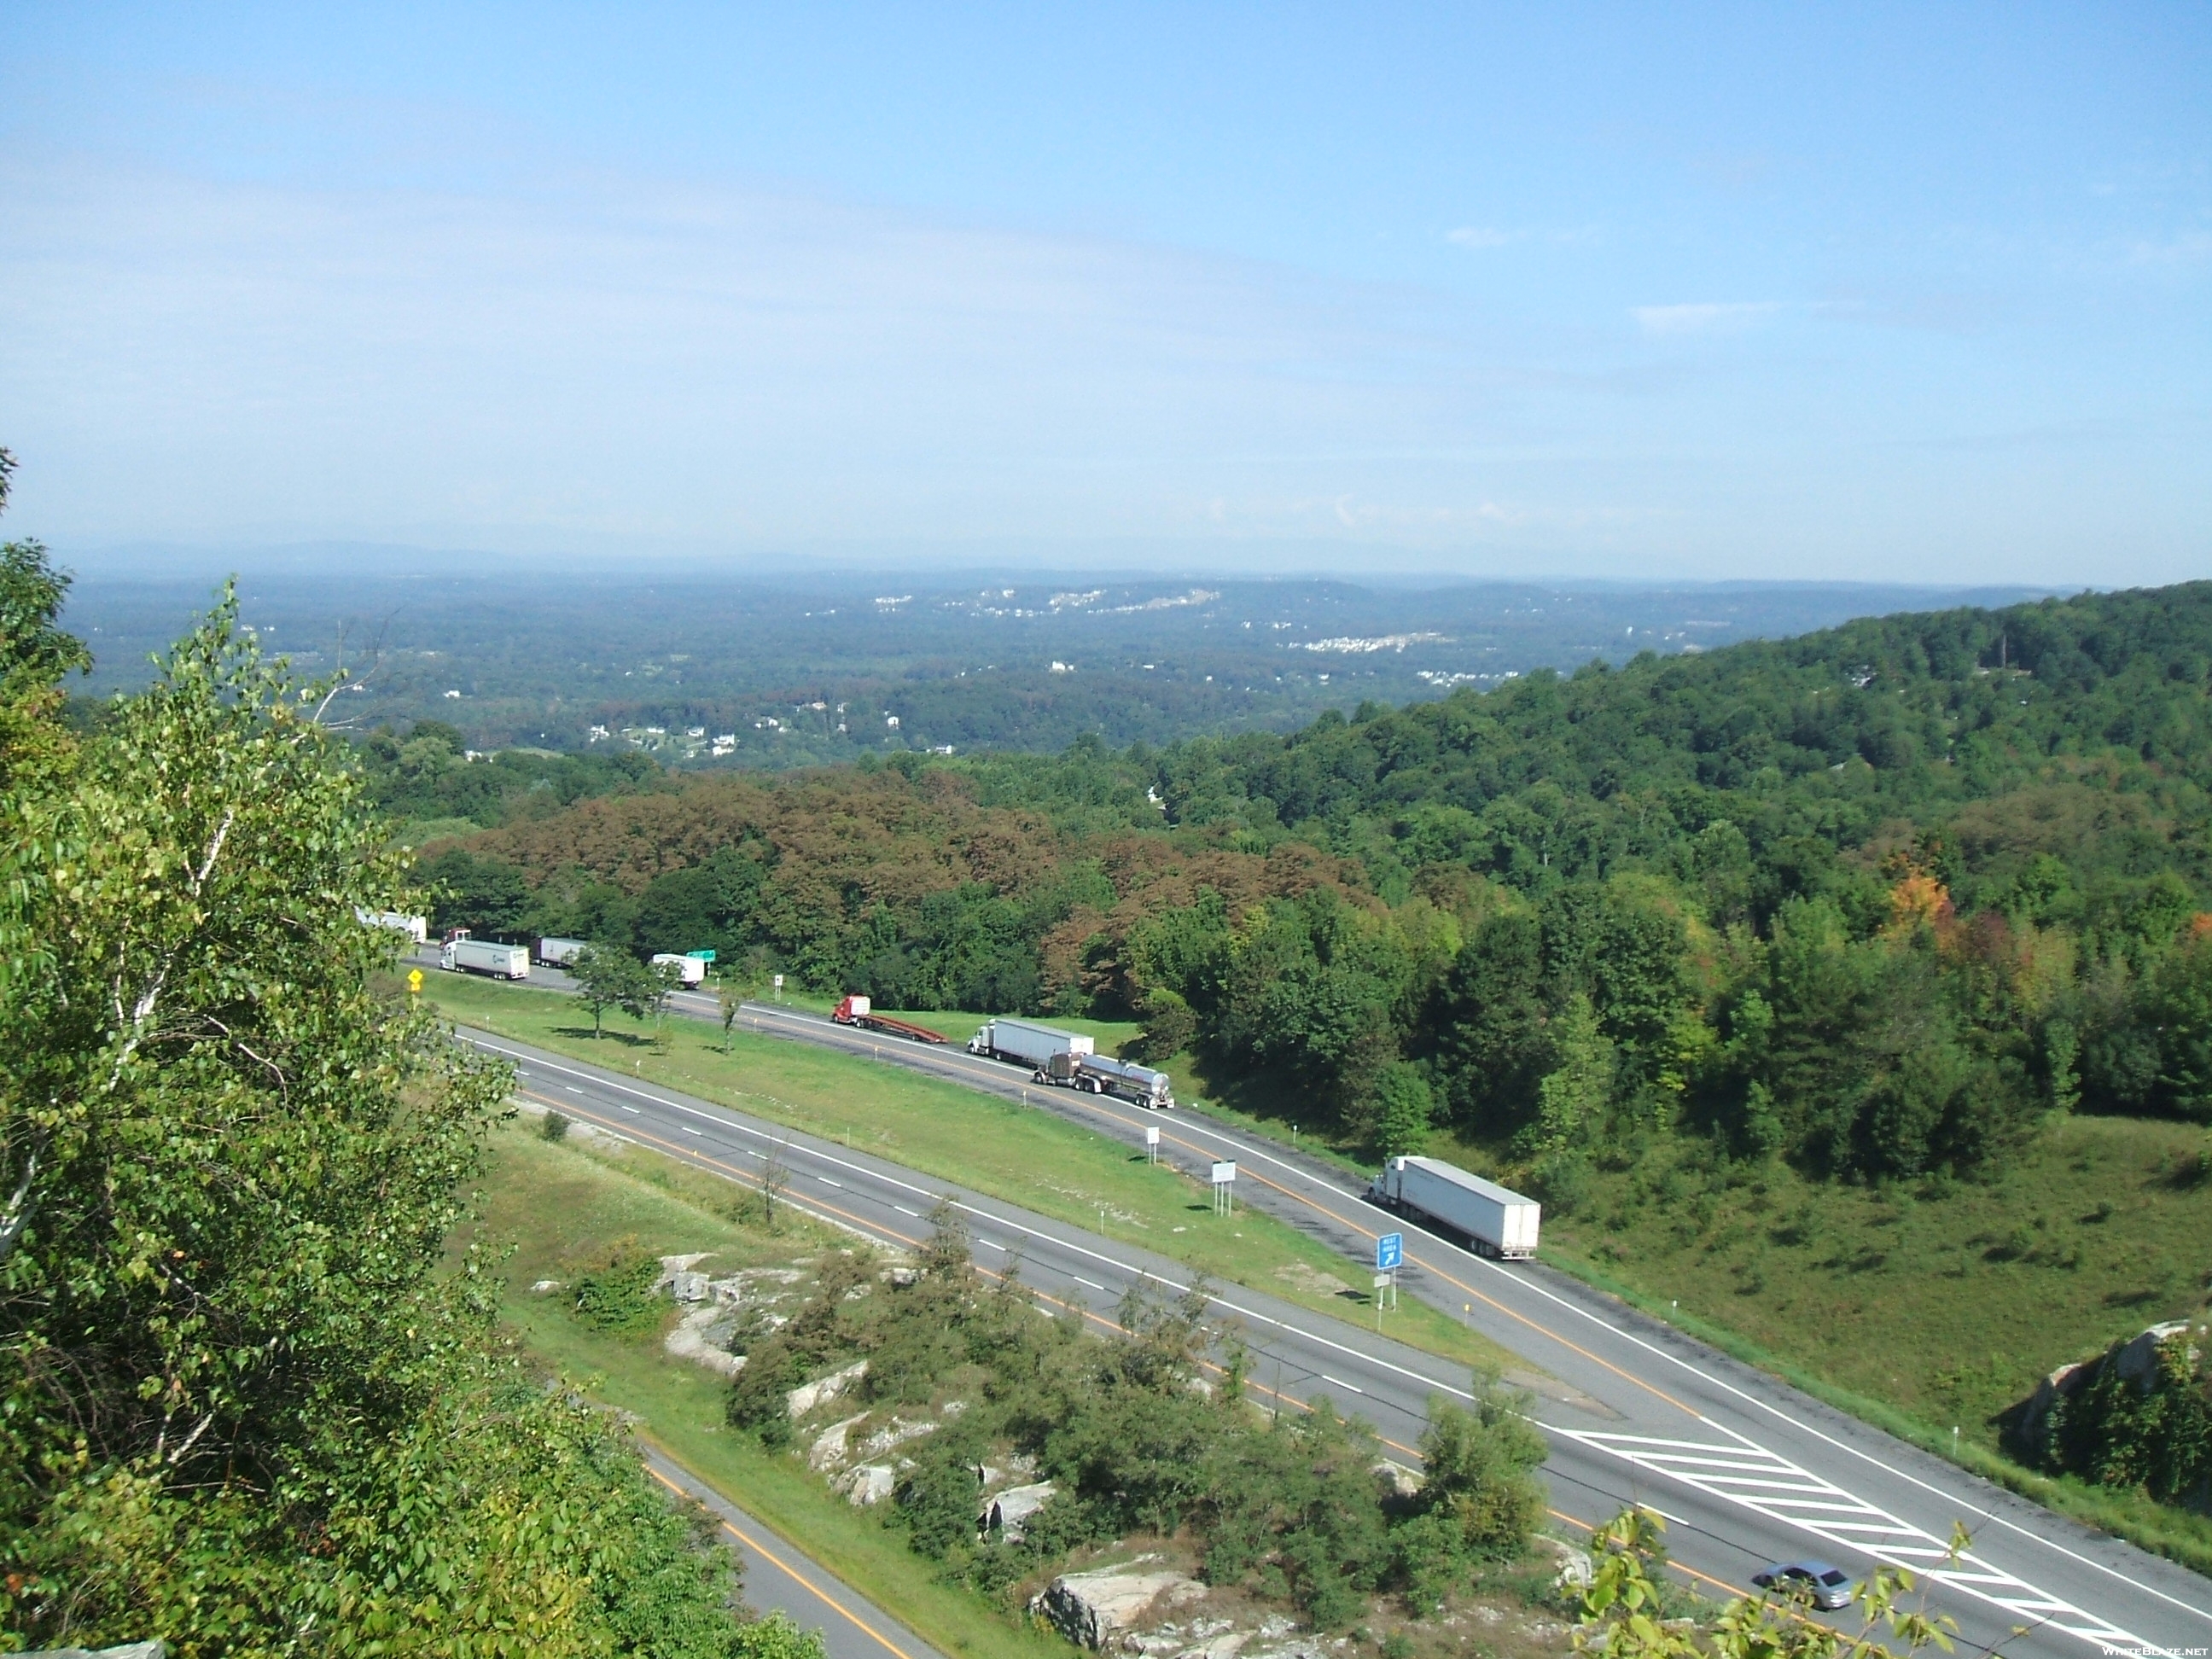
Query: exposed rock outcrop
{"type": "Point", "coordinates": [820, 1392]}
{"type": "Point", "coordinates": [1091, 1608]}
{"type": "Point", "coordinates": [1008, 1514]}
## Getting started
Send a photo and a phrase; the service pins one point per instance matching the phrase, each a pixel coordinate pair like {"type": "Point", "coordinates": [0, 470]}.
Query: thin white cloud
{"type": "Point", "coordinates": [1728, 317]}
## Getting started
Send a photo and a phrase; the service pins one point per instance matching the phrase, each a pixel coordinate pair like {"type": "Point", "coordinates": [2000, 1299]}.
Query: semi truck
{"type": "Point", "coordinates": [560, 953]}
{"type": "Point", "coordinates": [689, 970]}
{"type": "Point", "coordinates": [461, 954]}
{"type": "Point", "coordinates": [1499, 1220]}
{"type": "Point", "coordinates": [856, 1010]}
{"type": "Point", "coordinates": [1030, 1045]}
{"type": "Point", "coordinates": [1102, 1075]}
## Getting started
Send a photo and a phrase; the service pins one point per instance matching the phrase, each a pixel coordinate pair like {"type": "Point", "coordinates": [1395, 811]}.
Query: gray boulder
{"type": "Point", "coordinates": [1091, 1608]}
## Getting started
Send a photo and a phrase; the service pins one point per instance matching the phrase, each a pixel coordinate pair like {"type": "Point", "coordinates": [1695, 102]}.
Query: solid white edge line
{"type": "Point", "coordinates": [1585, 1314]}
{"type": "Point", "coordinates": [728, 1121]}
{"type": "Point", "coordinates": [1199, 1126]}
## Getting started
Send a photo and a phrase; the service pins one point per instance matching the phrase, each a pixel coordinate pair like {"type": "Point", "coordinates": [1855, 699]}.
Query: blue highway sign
{"type": "Point", "coordinates": [1389, 1252]}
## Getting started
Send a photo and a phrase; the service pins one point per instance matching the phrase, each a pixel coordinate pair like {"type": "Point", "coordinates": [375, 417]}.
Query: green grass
{"type": "Point", "coordinates": [1915, 1308]}
{"type": "Point", "coordinates": [549, 1205]}
{"type": "Point", "coordinates": [1929, 1306]}
{"type": "Point", "coordinates": [1023, 1156]}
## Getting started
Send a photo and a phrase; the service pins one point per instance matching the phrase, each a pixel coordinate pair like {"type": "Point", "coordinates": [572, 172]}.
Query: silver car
{"type": "Point", "coordinates": [1825, 1587]}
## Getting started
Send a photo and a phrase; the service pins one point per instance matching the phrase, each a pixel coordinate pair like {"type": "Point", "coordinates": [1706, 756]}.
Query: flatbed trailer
{"type": "Point", "coordinates": [855, 1011]}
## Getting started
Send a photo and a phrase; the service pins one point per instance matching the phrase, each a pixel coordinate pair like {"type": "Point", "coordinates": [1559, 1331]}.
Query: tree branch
{"type": "Point", "coordinates": [19, 1208]}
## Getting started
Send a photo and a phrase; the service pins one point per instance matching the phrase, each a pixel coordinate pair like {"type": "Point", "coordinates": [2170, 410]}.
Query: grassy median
{"type": "Point", "coordinates": [549, 1207]}
{"type": "Point", "coordinates": [1023, 1156]}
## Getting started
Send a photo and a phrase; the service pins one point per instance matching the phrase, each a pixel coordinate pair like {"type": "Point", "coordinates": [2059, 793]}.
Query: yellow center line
{"type": "Point", "coordinates": [816, 1590]}
{"type": "Point", "coordinates": [1732, 1592]}
{"type": "Point", "coordinates": [1450, 1278]}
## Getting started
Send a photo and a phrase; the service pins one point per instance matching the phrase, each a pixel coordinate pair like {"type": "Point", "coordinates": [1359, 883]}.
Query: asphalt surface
{"type": "Point", "coordinates": [1746, 1470]}
{"type": "Point", "coordinates": [779, 1579]}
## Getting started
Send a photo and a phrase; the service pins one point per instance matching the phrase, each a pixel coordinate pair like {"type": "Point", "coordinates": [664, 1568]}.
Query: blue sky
{"type": "Point", "coordinates": [1910, 292]}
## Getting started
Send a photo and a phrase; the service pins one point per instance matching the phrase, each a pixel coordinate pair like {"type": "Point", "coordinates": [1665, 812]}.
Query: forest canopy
{"type": "Point", "coordinates": [245, 1406]}
{"type": "Point", "coordinates": [1875, 899]}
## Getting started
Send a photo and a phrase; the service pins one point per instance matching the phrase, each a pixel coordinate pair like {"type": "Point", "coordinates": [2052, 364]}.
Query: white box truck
{"type": "Point", "coordinates": [1499, 1219]}
{"type": "Point", "coordinates": [560, 953]}
{"type": "Point", "coordinates": [689, 970]}
{"type": "Point", "coordinates": [475, 955]}
{"type": "Point", "coordinates": [1029, 1045]}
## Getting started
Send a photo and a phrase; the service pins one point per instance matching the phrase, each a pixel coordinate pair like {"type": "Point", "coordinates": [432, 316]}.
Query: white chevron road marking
{"type": "Point", "coordinates": [1769, 1484]}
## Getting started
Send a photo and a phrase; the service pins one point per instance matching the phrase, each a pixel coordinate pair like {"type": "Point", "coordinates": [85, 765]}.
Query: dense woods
{"type": "Point", "coordinates": [245, 1405]}
{"type": "Point", "coordinates": [1875, 899]}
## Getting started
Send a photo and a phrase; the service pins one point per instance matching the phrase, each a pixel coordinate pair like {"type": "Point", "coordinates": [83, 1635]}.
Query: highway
{"type": "Point", "coordinates": [1747, 1469]}
{"type": "Point", "coordinates": [779, 1579]}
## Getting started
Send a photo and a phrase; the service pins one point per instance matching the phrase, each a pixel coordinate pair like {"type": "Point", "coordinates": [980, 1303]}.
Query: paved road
{"type": "Point", "coordinates": [1748, 1469]}
{"type": "Point", "coordinates": [779, 1579]}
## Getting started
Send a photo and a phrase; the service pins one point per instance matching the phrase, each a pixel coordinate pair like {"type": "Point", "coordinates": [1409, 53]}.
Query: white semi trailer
{"type": "Point", "coordinates": [689, 970]}
{"type": "Point", "coordinates": [477, 956]}
{"type": "Point", "coordinates": [1499, 1220]}
{"type": "Point", "coordinates": [560, 953]}
{"type": "Point", "coordinates": [1029, 1045]}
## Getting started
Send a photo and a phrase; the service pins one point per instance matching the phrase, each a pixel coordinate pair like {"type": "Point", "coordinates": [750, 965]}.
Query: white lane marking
{"type": "Point", "coordinates": [1080, 1279]}
{"type": "Point", "coordinates": [826, 1181]}
{"type": "Point", "coordinates": [689, 1130]}
{"type": "Point", "coordinates": [1341, 1383]}
{"type": "Point", "coordinates": [572, 1088]}
{"type": "Point", "coordinates": [1770, 1485]}
{"type": "Point", "coordinates": [632, 1110]}
{"type": "Point", "coordinates": [1587, 1314]}
{"type": "Point", "coordinates": [1958, 1500]}
{"type": "Point", "coordinates": [730, 1120]}
{"type": "Point", "coordinates": [992, 1244]}
{"type": "Point", "coordinates": [902, 1210]}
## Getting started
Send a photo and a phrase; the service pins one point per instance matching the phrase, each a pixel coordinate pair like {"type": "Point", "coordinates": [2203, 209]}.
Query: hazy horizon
{"type": "Point", "coordinates": [1874, 294]}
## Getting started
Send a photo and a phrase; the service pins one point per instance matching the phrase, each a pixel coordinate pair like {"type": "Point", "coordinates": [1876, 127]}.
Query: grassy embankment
{"type": "Point", "coordinates": [1931, 1307]}
{"type": "Point", "coordinates": [1021, 1155]}
{"type": "Point", "coordinates": [550, 1210]}
{"type": "Point", "coordinates": [1921, 1307]}
{"type": "Point", "coordinates": [550, 1204]}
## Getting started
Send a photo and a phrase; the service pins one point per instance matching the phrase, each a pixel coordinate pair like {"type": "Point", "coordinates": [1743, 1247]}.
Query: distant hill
{"type": "Point", "coordinates": [818, 670]}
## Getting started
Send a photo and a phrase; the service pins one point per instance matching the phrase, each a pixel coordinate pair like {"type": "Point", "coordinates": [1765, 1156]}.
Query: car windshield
{"type": "Point", "coordinates": [1833, 1577]}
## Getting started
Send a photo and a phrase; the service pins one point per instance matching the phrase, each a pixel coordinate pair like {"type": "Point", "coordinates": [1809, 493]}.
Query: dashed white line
{"type": "Point", "coordinates": [991, 1244]}
{"type": "Point", "coordinates": [689, 1130]}
{"type": "Point", "coordinates": [826, 1181]}
{"type": "Point", "coordinates": [1341, 1383]}
{"type": "Point", "coordinates": [902, 1210]}
{"type": "Point", "coordinates": [1080, 1279]}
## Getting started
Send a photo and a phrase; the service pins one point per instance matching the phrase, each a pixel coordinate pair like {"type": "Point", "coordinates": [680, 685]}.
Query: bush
{"type": "Point", "coordinates": [1481, 1466]}
{"type": "Point", "coordinates": [2154, 1433]}
{"type": "Point", "coordinates": [619, 1296]}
